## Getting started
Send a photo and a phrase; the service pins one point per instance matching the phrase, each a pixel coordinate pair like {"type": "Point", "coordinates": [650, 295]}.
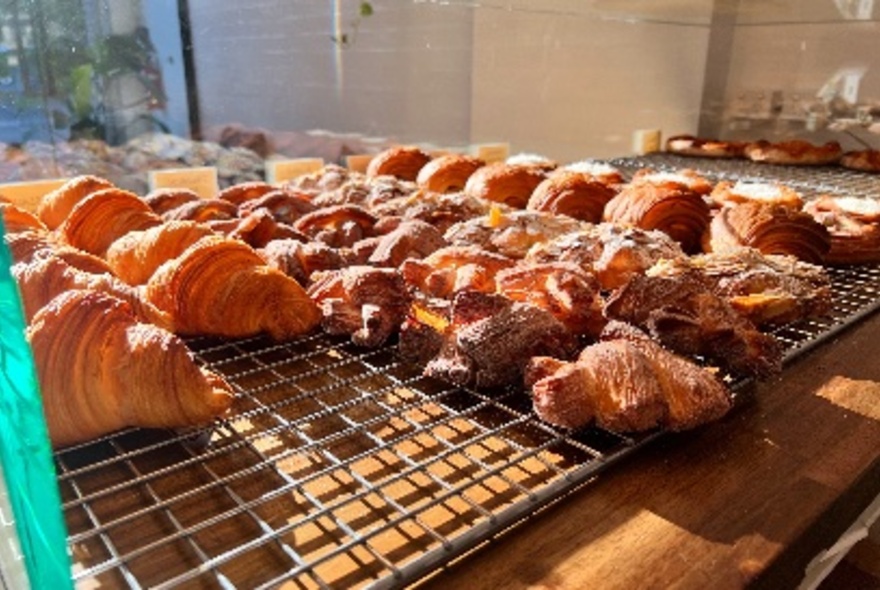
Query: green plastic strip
{"type": "Point", "coordinates": [25, 450]}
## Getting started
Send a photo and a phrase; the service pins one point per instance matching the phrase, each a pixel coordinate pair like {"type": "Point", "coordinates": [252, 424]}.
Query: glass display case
{"type": "Point", "coordinates": [344, 466]}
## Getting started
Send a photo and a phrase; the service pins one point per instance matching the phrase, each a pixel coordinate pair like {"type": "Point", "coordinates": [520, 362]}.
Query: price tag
{"type": "Point", "coordinates": [283, 170]}
{"type": "Point", "coordinates": [493, 152]}
{"type": "Point", "coordinates": [359, 162]}
{"type": "Point", "coordinates": [27, 195]}
{"type": "Point", "coordinates": [202, 181]}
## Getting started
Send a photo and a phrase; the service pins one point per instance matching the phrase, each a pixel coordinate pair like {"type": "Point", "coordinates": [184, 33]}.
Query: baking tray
{"type": "Point", "coordinates": [343, 467]}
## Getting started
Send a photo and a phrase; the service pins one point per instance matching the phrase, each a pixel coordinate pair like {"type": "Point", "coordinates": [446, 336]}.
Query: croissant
{"type": "Point", "coordinates": [284, 206]}
{"type": "Point", "coordinates": [135, 256]}
{"type": "Point", "coordinates": [56, 205]}
{"type": "Point", "coordinates": [772, 229]}
{"type": "Point", "coordinates": [573, 194]}
{"type": "Point", "coordinates": [165, 199]}
{"type": "Point", "coordinates": [29, 246]}
{"type": "Point", "coordinates": [367, 303]}
{"type": "Point", "coordinates": [854, 227]}
{"type": "Point", "coordinates": [505, 183]}
{"type": "Point", "coordinates": [202, 210]}
{"type": "Point", "coordinates": [401, 161]}
{"type": "Point", "coordinates": [337, 226]}
{"type": "Point", "coordinates": [300, 260]}
{"type": "Point", "coordinates": [449, 173]}
{"type": "Point", "coordinates": [670, 207]}
{"type": "Point", "coordinates": [50, 273]}
{"type": "Point", "coordinates": [103, 217]}
{"type": "Point", "coordinates": [100, 370]}
{"type": "Point", "coordinates": [625, 383]}
{"type": "Point", "coordinates": [454, 268]}
{"type": "Point", "coordinates": [564, 289]}
{"type": "Point", "coordinates": [221, 287]}
{"type": "Point", "coordinates": [258, 228]}
{"type": "Point", "coordinates": [16, 219]}
{"type": "Point", "coordinates": [245, 191]}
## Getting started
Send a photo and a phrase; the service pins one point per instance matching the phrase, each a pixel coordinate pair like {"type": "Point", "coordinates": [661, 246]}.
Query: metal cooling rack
{"type": "Point", "coordinates": [339, 467]}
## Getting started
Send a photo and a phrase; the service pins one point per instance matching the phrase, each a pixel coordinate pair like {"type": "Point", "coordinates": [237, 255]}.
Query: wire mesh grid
{"type": "Point", "coordinates": [339, 467]}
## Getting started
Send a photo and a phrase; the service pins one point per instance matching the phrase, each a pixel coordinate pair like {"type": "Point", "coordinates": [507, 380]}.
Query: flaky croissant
{"type": "Point", "coordinates": [103, 217]}
{"type": "Point", "coordinates": [625, 383]}
{"type": "Point", "coordinates": [574, 194]}
{"type": "Point", "coordinates": [135, 256]}
{"type": "Point", "coordinates": [221, 287]}
{"type": "Point", "coordinates": [100, 370]}
{"type": "Point", "coordinates": [670, 207]}
{"type": "Point", "coordinates": [48, 273]}
{"type": "Point", "coordinates": [16, 219]}
{"type": "Point", "coordinates": [772, 229]}
{"type": "Point", "coordinates": [56, 205]}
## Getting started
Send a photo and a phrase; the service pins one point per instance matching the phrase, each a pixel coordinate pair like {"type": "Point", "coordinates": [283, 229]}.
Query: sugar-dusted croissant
{"type": "Point", "coordinates": [100, 370]}
{"type": "Point", "coordinates": [367, 303]}
{"type": "Point", "coordinates": [671, 207]}
{"type": "Point", "coordinates": [16, 219]}
{"type": "Point", "coordinates": [56, 205]}
{"type": "Point", "coordinates": [854, 226]}
{"type": "Point", "coordinates": [103, 217]}
{"type": "Point", "coordinates": [565, 289]}
{"type": "Point", "coordinates": [221, 287]}
{"type": "Point", "coordinates": [48, 273]}
{"type": "Point", "coordinates": [772, 229]}
{"type": "Point", "coordinates": [135, 256]}
{"type": "Point", "coordinates": [626, 383]}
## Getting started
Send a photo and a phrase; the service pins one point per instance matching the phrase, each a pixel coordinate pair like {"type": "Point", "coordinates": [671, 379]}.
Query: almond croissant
{"type": "Point", "coordinates": [626, 383]}
{"type": "Point", "coordinates": [221, 287]}
{"type": "Point", "coordinates": [100, 370]}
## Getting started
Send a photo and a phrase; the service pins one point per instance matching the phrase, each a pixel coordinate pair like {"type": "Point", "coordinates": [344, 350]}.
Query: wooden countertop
{"type": "Point", "coordinates": [748, 501]}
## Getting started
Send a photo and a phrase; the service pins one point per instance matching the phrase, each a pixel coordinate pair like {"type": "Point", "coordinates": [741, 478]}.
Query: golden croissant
{"type": "Point", "coordinates": [17, 220]}
{"type": "Point", "coordinates": [221, 287]}
{"type": "Point", "coordinates": [135, 256]}
{"type": "Point", "coordinates": [574, 194]}
{"type": "Point", "coordinates": [49, 273]}
{"type": "Point", "coordinates": [100, 370]}
{"type": "Point", "coordinates": [103, 217]}
{"type": "Point", "coordinates": [772, 229]}
{"type": "Point", "coordinates": [56, 205]}
{"type": "Point", "coordinates": [671, 207]}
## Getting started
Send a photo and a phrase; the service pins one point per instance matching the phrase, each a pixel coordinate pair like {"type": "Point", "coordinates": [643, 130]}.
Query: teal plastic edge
{"type": "Point", "coordinates": [25, 449]}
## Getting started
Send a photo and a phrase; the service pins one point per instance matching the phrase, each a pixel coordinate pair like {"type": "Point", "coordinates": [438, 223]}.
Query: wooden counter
{"type": "Point", "coordinates": [747, 502]}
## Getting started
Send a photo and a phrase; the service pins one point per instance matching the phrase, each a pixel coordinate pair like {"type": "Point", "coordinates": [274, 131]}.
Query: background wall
{"type": "Point", "coordinates": [565, 78]}
{"type": "Point", "coordinates": [555, 80]}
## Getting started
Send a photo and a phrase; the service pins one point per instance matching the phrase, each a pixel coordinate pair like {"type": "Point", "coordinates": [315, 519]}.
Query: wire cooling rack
{"type": "Point", "coordinates": [340, 467]}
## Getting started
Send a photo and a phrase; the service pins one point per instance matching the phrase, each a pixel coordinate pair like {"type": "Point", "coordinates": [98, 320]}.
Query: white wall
{"type": "Point", "coordinates": [570, 86]}
{"type": "Point", "coordinates": [273, 64]}
{"type": "Point", "coordinates": [546, 76]}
